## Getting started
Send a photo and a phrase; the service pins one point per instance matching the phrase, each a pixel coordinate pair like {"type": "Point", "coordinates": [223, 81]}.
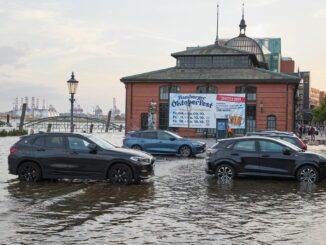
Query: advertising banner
{"type": "Point", "coordinates": [233, 108]}
{"type": "Point", "coordinates": [192, 110]}
{"type": "Point", "coordinates": [202, 110]}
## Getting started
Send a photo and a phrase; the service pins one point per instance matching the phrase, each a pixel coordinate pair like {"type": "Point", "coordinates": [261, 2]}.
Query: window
{"type": "Point", "coordinates": [251, 92]}
{"type": "Point", "coordinates": [271, 122]}
{"type": "Point", "coordinates": [164, 136]}
{"type": "Point", "coordinates": [149, 135]}
{"type": "Point", "coordinates": [166, 90]}
{"type": "Point", "coordinates": [247, 145]}
{"type": "Point", "coordinates": [39, 141]}
{"type": "Point", "coordinates": [56, 142]}
{"type": "Point", "coordinates": [206, 89]}
{"type": "Point", "coordinates": [144, 120]}
{"type": "Point", "coordinates": [269, 146]}
{"type": "Point", "coordinates": [251, 118]}
{"type": "Point", "coordinates": [76, 143]}
{"type": "Point", "coordinates": [163, 116]}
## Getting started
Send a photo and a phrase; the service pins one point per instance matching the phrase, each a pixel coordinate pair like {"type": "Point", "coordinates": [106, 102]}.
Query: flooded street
{"type": "Point", "coordinates": [181, 204]}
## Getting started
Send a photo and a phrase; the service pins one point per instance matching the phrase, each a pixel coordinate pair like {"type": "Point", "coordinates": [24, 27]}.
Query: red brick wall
{"type": "Point", "coordinates": [287, 66]}
{"type": "Point", "coordinates": [271, 96]}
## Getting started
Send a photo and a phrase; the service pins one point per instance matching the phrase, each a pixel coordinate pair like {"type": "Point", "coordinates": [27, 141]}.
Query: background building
{"type": "Point", "coordinates": [236, 67]}
{"type": "Point", "coordinates": [272, 50]}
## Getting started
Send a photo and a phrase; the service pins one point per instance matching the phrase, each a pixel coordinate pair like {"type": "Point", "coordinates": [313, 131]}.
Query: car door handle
{"type": "Point", "coordinates": [234, 154]}
{"type": "Point", "coordinates": [265, 155]}
{"type": "Point", "coordinates": [74, 153]}
{"type": "Point", "coordinates": [40, 149]}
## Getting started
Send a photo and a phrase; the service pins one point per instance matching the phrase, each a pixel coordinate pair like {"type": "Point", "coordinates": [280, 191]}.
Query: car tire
{"type": "Point", "coordinates": [137, 147]}
{"type": "Point", "coordinates": [29, 172]}
{"type": "Point", "coordinates": [308, 174]}
{"type": "Point", "coordinates": [185, 151]}
{"type": "Point", "coordinates": [224, 172]}
{"type": "Point", "coordinates": [120, 174]}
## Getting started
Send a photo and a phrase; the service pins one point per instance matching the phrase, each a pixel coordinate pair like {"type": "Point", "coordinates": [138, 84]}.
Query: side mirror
{"type": "Point", "coordinates": [172, 138]}
{"type": "Point", "coordinates": [286, 151]}
{"type": "Point", "coordinates": [92, 147]}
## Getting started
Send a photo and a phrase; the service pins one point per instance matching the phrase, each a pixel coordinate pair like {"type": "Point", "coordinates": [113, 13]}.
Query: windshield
{"type": "Point", "coordinates": [174, 135]}
{"type": "Point", "coordinates": [102, 143]}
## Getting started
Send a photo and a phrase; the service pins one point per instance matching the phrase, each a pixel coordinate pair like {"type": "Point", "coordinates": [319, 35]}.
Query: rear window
{"type": "Point", "coordinates": [26, 141]}
{"type": "Point", "coordinates": [135, 135]}
{"type": "Point", "coordinates": [292, 141]}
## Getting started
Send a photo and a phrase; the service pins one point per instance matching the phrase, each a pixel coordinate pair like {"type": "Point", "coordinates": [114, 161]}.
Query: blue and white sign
{"type": "Point", "coordinates": [192, 110]}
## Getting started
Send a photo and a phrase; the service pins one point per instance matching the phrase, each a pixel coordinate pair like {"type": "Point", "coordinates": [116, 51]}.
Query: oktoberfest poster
{"type": "Point", "coordinates": [233, 108]}
{"type": "Point", "coordinates": [192, 110]}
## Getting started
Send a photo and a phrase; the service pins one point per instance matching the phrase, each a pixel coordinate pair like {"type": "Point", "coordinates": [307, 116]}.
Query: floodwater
{"type": "Point", "coordinates": [180, 205]}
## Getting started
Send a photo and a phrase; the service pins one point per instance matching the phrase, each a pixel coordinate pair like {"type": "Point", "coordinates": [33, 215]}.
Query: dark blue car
{"type": "Point", "coordinates": [162, 142]}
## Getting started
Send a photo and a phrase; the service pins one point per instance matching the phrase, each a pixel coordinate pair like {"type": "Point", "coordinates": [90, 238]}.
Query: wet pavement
{"type": "Point", "coordinates": [180, 205]}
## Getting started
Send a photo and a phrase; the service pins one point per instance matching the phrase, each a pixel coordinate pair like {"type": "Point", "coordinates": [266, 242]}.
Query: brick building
{"type": "Point", "coordinates": [218, 69]}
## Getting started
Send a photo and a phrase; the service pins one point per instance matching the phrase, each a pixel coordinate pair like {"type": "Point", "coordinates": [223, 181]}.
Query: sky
{"type": "Point", "coordinates": [43, 41]}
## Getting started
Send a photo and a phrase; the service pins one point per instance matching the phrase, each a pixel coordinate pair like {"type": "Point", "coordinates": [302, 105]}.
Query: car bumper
{"type": "Point", "coordinates": [144, 171]}
{"type": "Point", "coordinates": [199, 149]}
{"type": "Point", "coordinates": [12, 165]}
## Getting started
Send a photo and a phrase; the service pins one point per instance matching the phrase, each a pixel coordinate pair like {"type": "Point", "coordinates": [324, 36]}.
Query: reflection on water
{"type": "Point", "coordinates": [181, 204]}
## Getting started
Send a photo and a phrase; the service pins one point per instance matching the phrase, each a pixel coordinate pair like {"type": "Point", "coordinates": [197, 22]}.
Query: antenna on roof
{"type": "Point", "coordinates": [216, 40]}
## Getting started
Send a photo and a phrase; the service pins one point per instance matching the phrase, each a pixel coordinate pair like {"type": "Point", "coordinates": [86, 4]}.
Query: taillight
{"type": "Point", "coordinates": [211, 151]}
{"type": "Point", "coordinates": [124, 140]}
{"type": "Point", "coordinates": [13, 150]}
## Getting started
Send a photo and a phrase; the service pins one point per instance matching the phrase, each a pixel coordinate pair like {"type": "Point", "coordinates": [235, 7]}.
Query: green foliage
{"type": "Point", "coordinates": [319, 113]}
{"type": "Point", "coordinates": [14, 132]}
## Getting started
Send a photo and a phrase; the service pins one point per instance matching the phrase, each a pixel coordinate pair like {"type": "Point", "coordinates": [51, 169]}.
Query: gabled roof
{"type": "Point", "coordinates": [175, 74]}
{"type": "Point", "coordinates": [211, 50]}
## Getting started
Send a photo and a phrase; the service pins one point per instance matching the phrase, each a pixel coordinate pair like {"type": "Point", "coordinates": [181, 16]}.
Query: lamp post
{"type": "Point", "coordinates": [72, 87]}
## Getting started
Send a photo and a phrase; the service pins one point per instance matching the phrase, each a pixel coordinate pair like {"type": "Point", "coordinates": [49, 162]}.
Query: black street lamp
{"type": "Point", "coordinates": [72, 87]}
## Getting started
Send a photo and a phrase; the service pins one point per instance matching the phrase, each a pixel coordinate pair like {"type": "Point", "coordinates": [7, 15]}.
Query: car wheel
{"type": "Point", "coordinates": [224, 172]}
{"type": "Point", "coordinates": [120, 174]}
{"type": "Point", "coordinates": [185, 151]}
{"type": "Point", "coordinates": [308, 174]}
{"type": "Point", "coordinates": [136, 147]}
{"type": "Point", "coordinates": [29, 172]}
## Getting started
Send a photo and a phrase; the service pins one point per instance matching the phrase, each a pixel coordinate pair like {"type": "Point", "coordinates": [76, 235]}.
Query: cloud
{"type": "Point", "coordinates": [10, 55]}
{"type": "Point", "coordinates": [320, 13]}
{"type": "Point", "coordinates": [260, 3]}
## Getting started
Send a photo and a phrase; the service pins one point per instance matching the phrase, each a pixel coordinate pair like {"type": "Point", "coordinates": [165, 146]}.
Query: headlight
{"type": "Point", "coordinates": [196, 144]}
{"type": "Point", "coordinates": [140, 160]}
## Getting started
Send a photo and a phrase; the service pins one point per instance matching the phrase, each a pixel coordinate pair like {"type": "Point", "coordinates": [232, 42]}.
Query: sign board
{"type": "Point", "coordinates": [233, 108]}
{"type": "Point", "coordinates": [202, 110]}
{"type": "Point", "coordinates": [192, 110]}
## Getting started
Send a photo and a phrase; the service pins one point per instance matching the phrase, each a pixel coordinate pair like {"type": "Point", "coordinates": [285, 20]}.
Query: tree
{"type": "Point", "coordinates": [319, 113]}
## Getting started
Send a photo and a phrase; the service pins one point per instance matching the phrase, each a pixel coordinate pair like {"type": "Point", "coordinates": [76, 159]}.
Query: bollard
{"type": "Point", "coordinates": [91, 128]}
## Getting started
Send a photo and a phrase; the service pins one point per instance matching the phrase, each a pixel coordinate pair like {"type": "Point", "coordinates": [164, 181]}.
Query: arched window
{"type": "Point", "coordinates": [271, 122]}
{"type": "Point", "coordinates": [165, 90]}
{"type": "Point", "coordinates": [206, 89]}
{"type": "Point", "coordinates": [250, 91]}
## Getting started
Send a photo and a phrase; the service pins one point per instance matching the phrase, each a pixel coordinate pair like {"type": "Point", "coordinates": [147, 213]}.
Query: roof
{"type": "Point", "coordinates": [174, 74]}
{"type": "Point", "coordinates": [212, 49]}
{"type": "Point", "coordinates": [248, 44]}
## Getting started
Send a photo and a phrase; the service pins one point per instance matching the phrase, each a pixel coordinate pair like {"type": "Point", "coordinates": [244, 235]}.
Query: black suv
{"type": "Point", "coordinates": [76, 156]}
{"type": "Point", "coordinates": [263, 156]}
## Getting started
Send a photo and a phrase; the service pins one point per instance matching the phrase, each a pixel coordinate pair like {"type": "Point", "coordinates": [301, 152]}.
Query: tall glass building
{"type": "Point", "coordinates": [272, 51]}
